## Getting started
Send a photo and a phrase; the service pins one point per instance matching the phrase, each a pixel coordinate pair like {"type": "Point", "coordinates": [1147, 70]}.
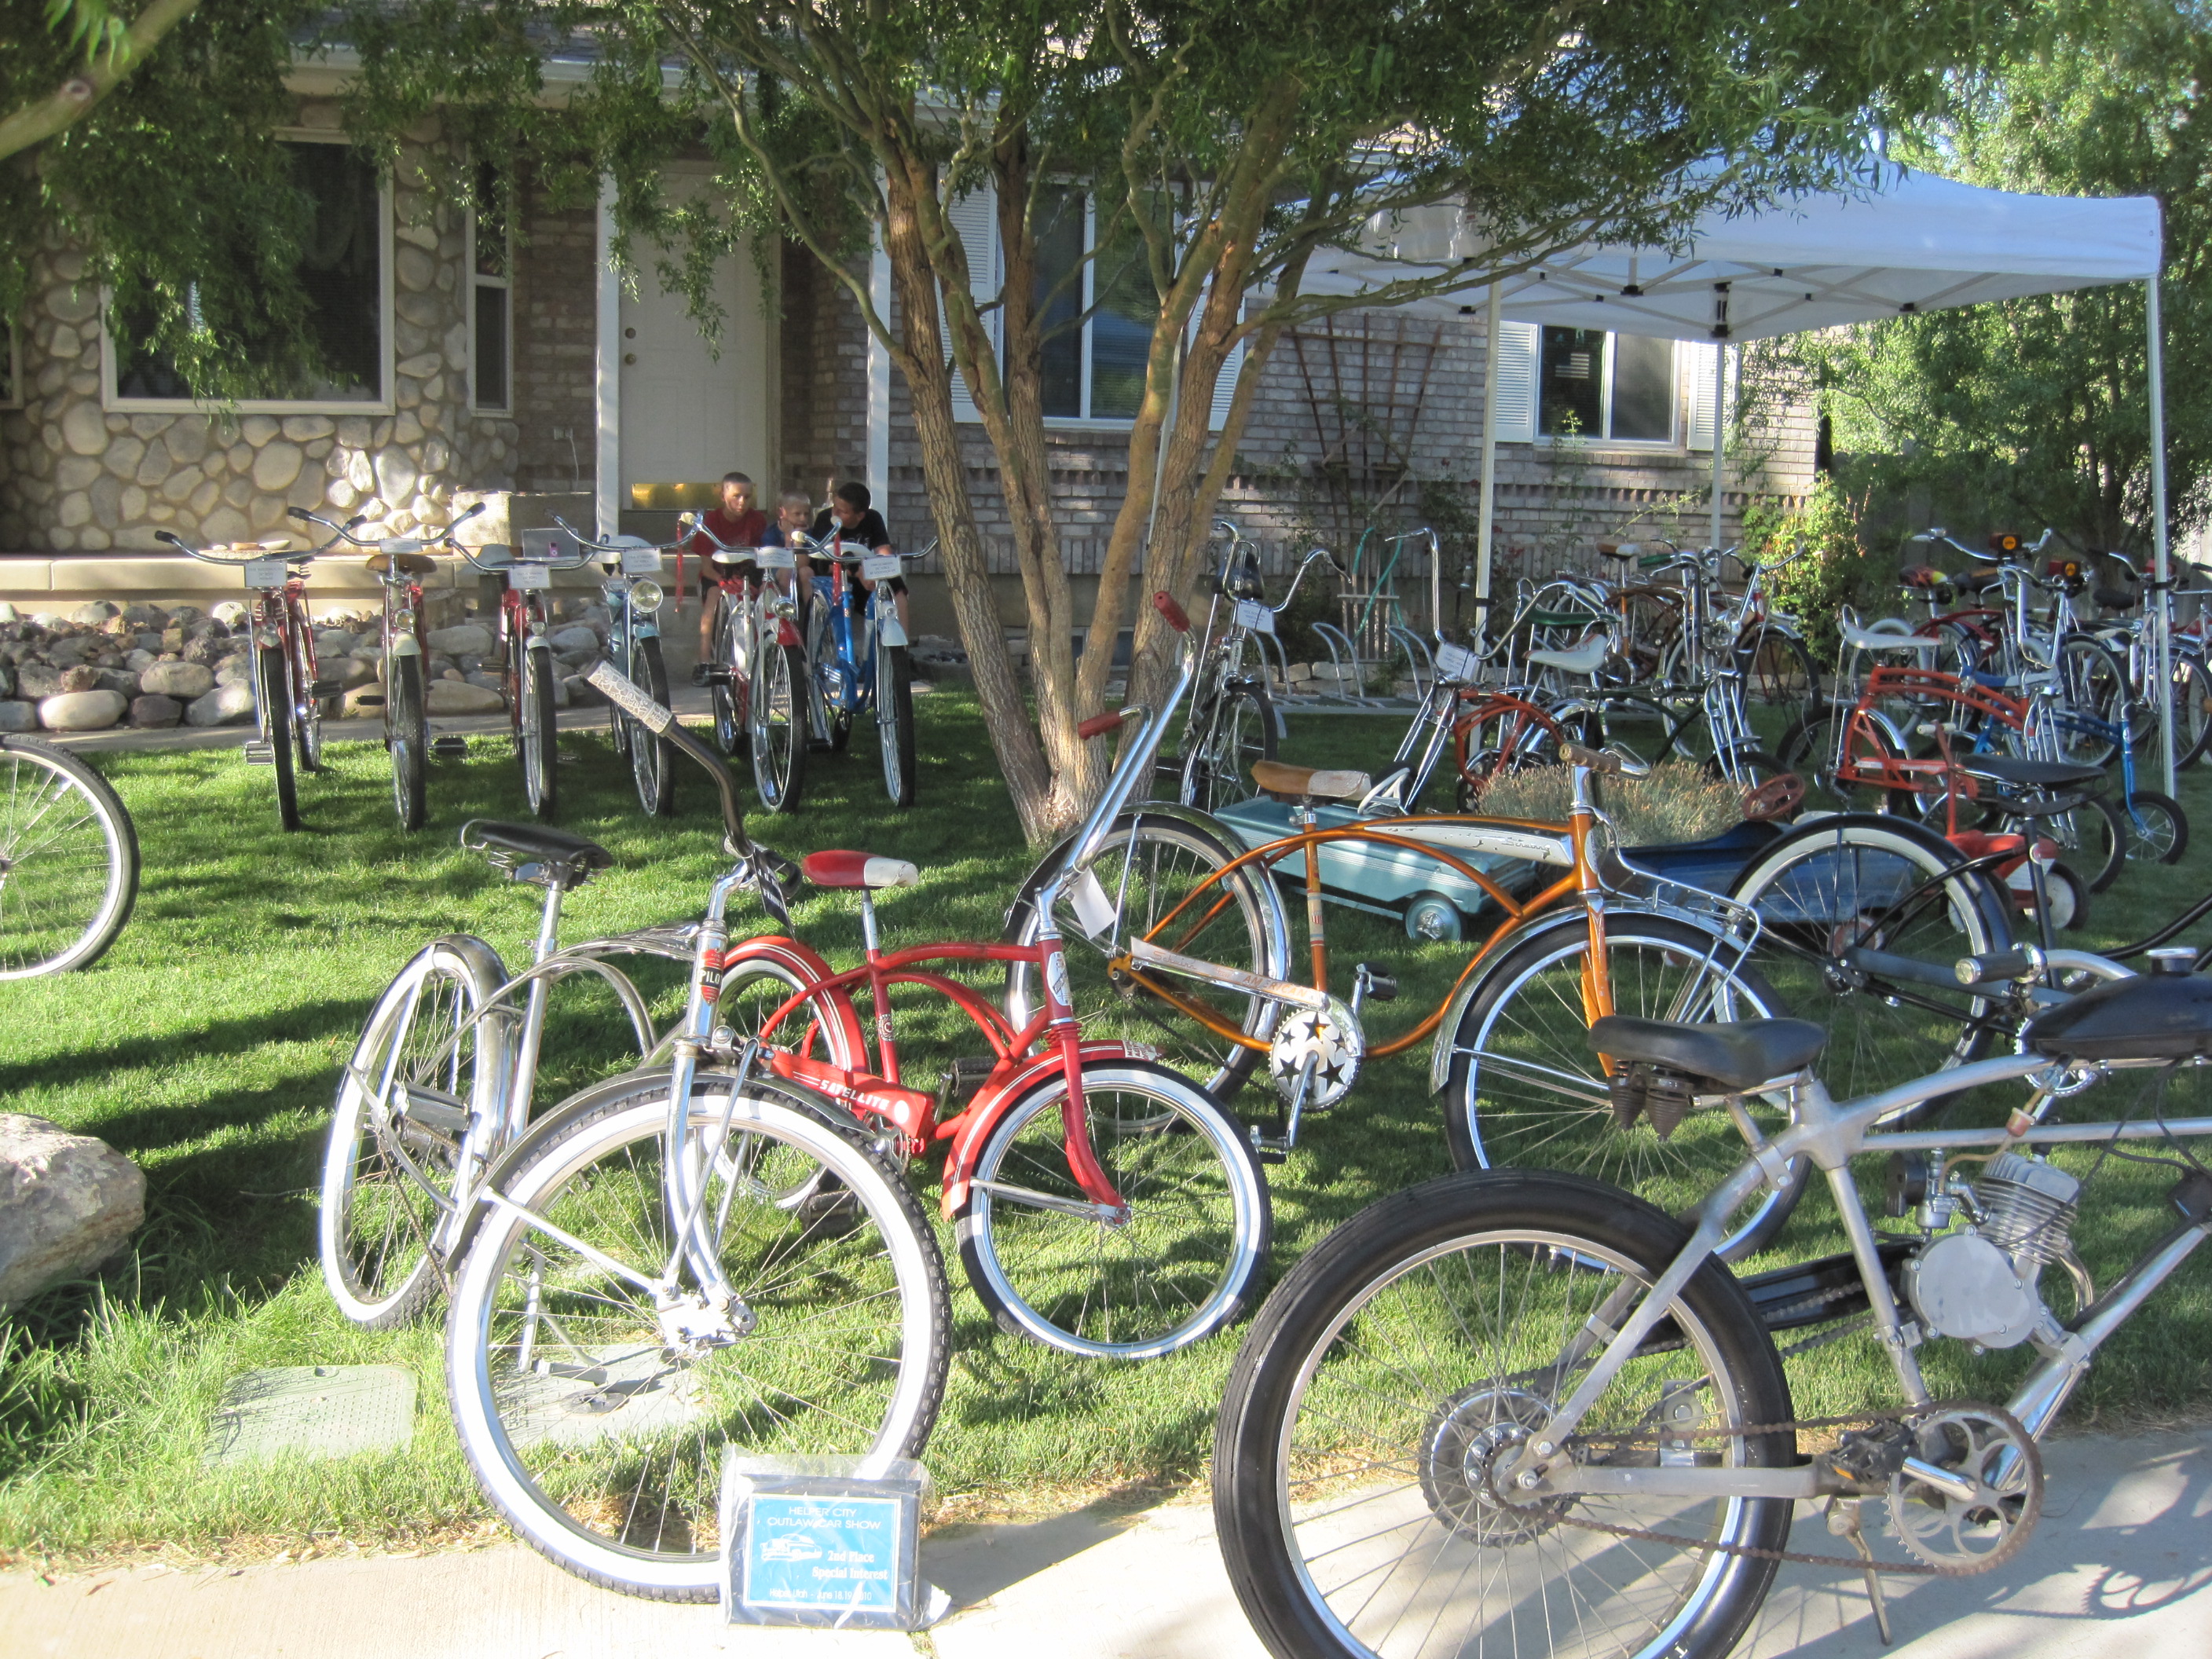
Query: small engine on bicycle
{"type": "Point", "coordinates": [1989, 1240]}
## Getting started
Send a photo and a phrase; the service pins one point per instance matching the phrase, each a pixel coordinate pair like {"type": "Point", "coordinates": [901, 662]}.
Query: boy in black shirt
{"type": "Point", "coordinates": [854, 519]}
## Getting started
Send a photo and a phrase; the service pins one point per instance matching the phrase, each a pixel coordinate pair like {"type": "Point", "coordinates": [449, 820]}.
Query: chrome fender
{"type": "Point", "coordinates": [406, 645]}
{"type": "Point", "coordinates": [890, 631]}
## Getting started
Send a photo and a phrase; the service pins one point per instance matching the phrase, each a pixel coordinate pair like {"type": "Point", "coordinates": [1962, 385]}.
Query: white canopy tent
{"type": "Point", "coordinates": [1919, 243]}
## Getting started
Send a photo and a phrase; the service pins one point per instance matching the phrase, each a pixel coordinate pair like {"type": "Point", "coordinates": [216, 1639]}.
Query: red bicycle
{"type": "Point", "coordinates": [1104, 1205]}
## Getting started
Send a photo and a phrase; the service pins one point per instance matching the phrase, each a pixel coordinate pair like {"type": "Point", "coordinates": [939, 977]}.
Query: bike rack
{"type": "Point", "coordinates": [1331, 635]}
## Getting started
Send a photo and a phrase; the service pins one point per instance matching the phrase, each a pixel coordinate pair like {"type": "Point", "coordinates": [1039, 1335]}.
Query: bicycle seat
{"type": "Point", "coordinates": [1583, 660]}
{"type": "Point", "coordinates": [537, 842]}
{"type": "Point", "coordinates": [863, 870]}
{"type": "Point", "coordinates": [406, 557]}
{"type": "Point", "coordinates": [1868, 639]}
{"type": "Point", "coordinates": [1736, 1055]}
{"type": "Point", "coordinates": [1977, 581]}
{"type": "Point", "coordinates": [2113, 599]}
{"type": "Point", "coordinates": [2016, 772]}
{"type": "Point", "coordinates": [1619, 551]}
{"type": "Point", "coordinates": [1305, 783]}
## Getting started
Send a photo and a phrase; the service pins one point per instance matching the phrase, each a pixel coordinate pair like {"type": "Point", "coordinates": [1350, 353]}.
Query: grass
{"type": "Point", "coordinates": [207, 1045]}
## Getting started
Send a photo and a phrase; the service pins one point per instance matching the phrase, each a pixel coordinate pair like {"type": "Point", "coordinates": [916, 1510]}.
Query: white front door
{"type": "Point", "coordinates": [689, 417]}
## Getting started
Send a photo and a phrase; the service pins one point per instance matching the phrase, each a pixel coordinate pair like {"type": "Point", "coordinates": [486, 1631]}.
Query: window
{"type": "Point", "coordinates": [1092, 372]}
{"type": "Point", "coordinates": [1616, 387]}
{"type": "Point", "coordinates": [491, 311]}
{"type": "Point", "coordinates": [345, 273]}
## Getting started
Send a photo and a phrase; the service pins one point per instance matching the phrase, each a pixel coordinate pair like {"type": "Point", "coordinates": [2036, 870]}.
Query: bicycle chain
{"type": "Point", "coordinates": [1996, 1558]}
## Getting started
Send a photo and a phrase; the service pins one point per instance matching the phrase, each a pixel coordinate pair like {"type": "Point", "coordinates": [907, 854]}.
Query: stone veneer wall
{"type": "Point", "coordinates": [76, 477]}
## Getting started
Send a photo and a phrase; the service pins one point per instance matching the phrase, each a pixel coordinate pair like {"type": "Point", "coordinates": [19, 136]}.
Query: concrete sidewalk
{"type": "Point", "coordinates": [2117, 1567]}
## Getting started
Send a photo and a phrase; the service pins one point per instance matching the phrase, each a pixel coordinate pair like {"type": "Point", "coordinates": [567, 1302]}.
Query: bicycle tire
{"type": "Point", "coordinates": [1779, 674]}
{"type": "Point", "coordinates": [651, 758]}
{"type": "Point", "coordinates": [538, 736]}
{"type": "Point", "coordinates": [894, 721]}
{"type": "Point", "coordinates": [2191, 703]}
{"type": "Point", "coordinates": [2158, 829]}
{"type": "Point", "coordinates": [395, 1152]}
{"type": "Point", "coordinates": [1832, 889]}
{"type": "Point", "coordinates": [307, 708]}
{"type": "Point", "coordinates": [1147, 863]}
{"type": "Point", "coordinates": [272, 718]}
{"type": "Point", "coordinates": [2094, 685]}
{"type": "Point", "coordinates": [2094, 836]}
{"type": "Point", "coordinates": [409, 741]}
{"type": "Point", "coordinates": [1353, 1520]}
{"type": "Point", "coordinates": [632, 1505]}
{"type": "Point", "coordinates": [1810, 750]}
{"type": "Point", "coordinates": [779, 739]}
{"type": "Point", "coordinates": [722, 651]}
{"type": "Point", "coordinates": [1238, 731]}
{"type": "Point", "coordinates": [1178, 1267]}
{"type": "Point", "coordinates": [1524, 1089]}
{"type": "Point", "coordinates": [71, 851]}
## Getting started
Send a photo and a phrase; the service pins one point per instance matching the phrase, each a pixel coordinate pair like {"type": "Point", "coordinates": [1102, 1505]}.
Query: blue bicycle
{"type": "Point", "coordinates": [858, 661]}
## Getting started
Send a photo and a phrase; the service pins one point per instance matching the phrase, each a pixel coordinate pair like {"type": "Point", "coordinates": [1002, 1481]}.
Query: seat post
{"type": "Point", "coordinates": [868, 936]}
{"type": "Point", "coordinates": [549, 922]}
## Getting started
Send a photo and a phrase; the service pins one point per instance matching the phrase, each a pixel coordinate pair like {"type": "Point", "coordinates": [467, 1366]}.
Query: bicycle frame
{"type": "Point", "coordinates": [849, 666]}
{"type": "Point", "coordinates": [1831, 1135]}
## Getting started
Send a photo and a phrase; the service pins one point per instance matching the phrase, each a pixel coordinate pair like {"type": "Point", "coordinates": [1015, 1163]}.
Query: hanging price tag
{"type": "Point", "coordinates": [1251, 614]}
{"type": "Point", "coordinates": [526, 577]}
{"type": "Point", "coordinates": [1457, 662]}
{"type": "Point", "coordinates": [880, 567]}
{"type": "Point", "coordinates": [775, 558]}
{"type": "Point", "coordinates": [266, 573]}
{"type": "Point", "coordinates": [640, 561]}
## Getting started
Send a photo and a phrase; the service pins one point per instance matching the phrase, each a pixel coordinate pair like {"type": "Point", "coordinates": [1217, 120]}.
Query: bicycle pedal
{"type": "Point", "coordinates": [258, 753]}
{"type": "Point", "coordinates": [322, 690]}
{"type": "Point", "coordinates": [369, 700]}
{"type": "Point", "coordinates": [1268, 1149]}
{"type": "Point", "coordinates": [1381, 984]}
{"type": "Point", "coordinates": [450, 747]}
{"type": "Point", "coordinates": [710, 673]}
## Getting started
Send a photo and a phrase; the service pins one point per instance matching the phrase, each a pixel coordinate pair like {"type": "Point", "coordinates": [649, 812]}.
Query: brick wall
{"type": "Point", "coordinates": [555, 343]}
{"type": "Point", "coordinates": [824, 379]}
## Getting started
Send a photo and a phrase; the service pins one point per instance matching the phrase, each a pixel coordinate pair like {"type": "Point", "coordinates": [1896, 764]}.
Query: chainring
{"type": "Point", "coordinates": [1331, 1040]}
{"type": "Point", "coordinates": [1987, 1446]}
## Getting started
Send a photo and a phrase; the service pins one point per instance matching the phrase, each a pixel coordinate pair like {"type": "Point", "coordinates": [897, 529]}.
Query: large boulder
{"type": "Point", "coordinates": [332, 642]}
{"type": "Point", "coordinates": [18, 716]}
{"type": "Point", "coordinates": [463, 638]}
{"type": "Point", "coordinates": [155, 713]}
{"type": "Point", "coordinates": [67, 1204]}
{"type": "Point", "coordinates": [79, 677]}
{"type": "Point", "coordinates": [227, 705]}
{"type": "Point", "coordinates": [577, 639]}
{"type": "Point", "coordinates": [459, 697]}
{"type": "Point", "coordinates": [181, 680]}
{"type": "Point", "coordinates": [83, 711]}
{"type": "Point", "coordinates": [91, 615]}
{"type": "Point", "coordinates": [34, 680]}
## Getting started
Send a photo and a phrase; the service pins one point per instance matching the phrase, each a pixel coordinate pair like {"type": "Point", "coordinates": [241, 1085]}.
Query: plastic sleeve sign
{"type": "Point", "coordinates": [1251, 614]}
{"type": "Point", "coordinates": [266, 573]}
{"type": "Point", "coordinates": [880, 567]}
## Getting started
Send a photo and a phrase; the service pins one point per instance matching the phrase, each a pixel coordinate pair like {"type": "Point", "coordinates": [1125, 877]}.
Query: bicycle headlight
{"type": "Point", "coordinates": [645, 596]}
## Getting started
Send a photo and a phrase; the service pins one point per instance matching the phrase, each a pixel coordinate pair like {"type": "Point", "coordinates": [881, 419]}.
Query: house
{"type": "Point", "coordinates": [473, 359]}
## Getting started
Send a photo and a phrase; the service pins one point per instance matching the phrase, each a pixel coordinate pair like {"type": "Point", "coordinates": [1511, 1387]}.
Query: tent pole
{"type": "Point", "coordinates": [1719, 429]}
{"type": "Point", "coordinates": [1482, 535]}
{"type": "Point", "coordinates": [2164, 615]}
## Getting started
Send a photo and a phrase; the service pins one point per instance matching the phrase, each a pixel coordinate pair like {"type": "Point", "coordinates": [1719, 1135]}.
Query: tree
{"type": "Point", "coordinates": [1227, 143]}
{"type": "Point", "coordinates": [143, 152]}
{"type": "Point", "coordinates": [2035, 409]}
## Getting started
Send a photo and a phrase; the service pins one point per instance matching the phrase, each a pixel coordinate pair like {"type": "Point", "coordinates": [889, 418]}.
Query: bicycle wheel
{"type": "Point", "coordinates": [1498, 736]}
{"type": "Point", "coordinates": [1525, 1089]}
{"type": "Point", "coordinates": [2191, 698]}
{"type": "Point", "coordinates": [2093, 838]}
{"type": "Point", "coordinates": [272, 717]}
{"type": "Point", "coordinates": [1237, 730]}
{"type": "Point", "coordinates": [779, 727]}
{"type": "Point", "coordinates": [894, 721]}
{"type": "Point", "coordinates": [729, 715]}
{"type": "Point", "coordinates": [1835, 781]}
{"type": "Point", "coordinates": [596, 1423]}
{"type": "Point", "coordinates": [1435, 1330]}
{"type": "Point", "coordinates": [652, 759]}
{"type": "Point", "coordinates": [538, 734]}
{"type": "Point", "coordinates": [307, 708]}
{"type": "Point", "coordinates": [1174, 1266]}
{"type": "Point", "coordinates": [69, 861]}
{"type": "Point", "coordinates": [1154, 878]}
{"type": "Point", "coordinates": [759, 976]}
{"type": "Point", "coordinates": [409, 741]}
{"type": "Point", "coordinates": [1781, 686]}
{"type": "Point", "coordinates": [420, 1099]}
{"type": "Point", "coordinates": [2158, 829]}
{"type": "Point", "coordinates": [2093, 685]}
{"type": "Point", "coordinates": [1862, 917]}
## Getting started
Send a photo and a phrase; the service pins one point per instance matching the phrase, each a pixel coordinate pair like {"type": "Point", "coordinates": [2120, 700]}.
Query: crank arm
{"type": "Point", "coordinates": [1113, 1215]}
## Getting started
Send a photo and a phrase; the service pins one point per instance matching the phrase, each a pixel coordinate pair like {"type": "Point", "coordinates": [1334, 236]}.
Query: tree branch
{"type": "Point", "coordinates": [80, 95]}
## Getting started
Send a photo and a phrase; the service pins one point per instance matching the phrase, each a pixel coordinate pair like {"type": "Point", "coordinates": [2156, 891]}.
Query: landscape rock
{"type": "Point", "coordinates": [37, 680]}
{"type": "Point", "coordinates": [229, 613]}
{"type": "Point", "coordinates": [83, 711]}
{"type": "Point", "coordinates": [577, 639]}
{"type": "Point", "coordinates": [227, 705]}
{"type": "Point", "coordinates": [145, 616]}
{"type": "Point", "coordinates": [79, 677]}
{"type": "Point", "coordinates": [581, 693]}
{"type": "Point", "coordinates": [18, 716]}
{"type": "Point", "coordinates": [349, 671]}
{"type": "Point", "coordinates": [181, 680]}
{"type": "Point", "coordinates": [233, 671]}
{"type": "Point", "coordinates": [67, 1204]}
{"type": "Point", "coordinates": [119, 679]}
{"type": "Point", "coordinates": [93, 612]}
{"type": "Point", "coordinates": [459, 697]}
{"type": "Point", "coordinates": [156, 712]}
{"type": "Point", "coordinates": [463, 638]}
{"type": "Point", "coordinates": [333, 642]}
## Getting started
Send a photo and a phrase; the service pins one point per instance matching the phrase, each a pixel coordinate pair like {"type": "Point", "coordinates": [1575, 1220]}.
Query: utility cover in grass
{"type": "Point", "coordinates": [317, 1411]}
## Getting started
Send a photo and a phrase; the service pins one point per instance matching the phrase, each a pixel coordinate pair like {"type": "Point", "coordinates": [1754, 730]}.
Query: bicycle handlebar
{"type": "Point", "coordinates": [624, 693]}
{"type": "Point", "coordinates": [262, 550]}
{"type": "Point", "coordinates": [616, 547]}
{"type": "Point", "coordinates": [300, 514]}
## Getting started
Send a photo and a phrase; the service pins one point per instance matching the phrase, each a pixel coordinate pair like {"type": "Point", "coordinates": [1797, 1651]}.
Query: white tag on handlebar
{"type": "Point", "coordinates": [1251, 614]}
{"type": "Point", "coordinates": [1457, 662]}
{"type": "Point", "coordinates": [266, 573]}
{"type": "Point", "coordinates": [775, 558]}
{"type": "Point", "coordinates": [880, 567]}
{"type": "Point", "coordinates": [640, 561]}
{"type": "Point", "coordinates": [1094, 911]}
{"type": "Point", "coordinates": [528, 578]}
{"type": "Point", "coordinates": [621, 691]}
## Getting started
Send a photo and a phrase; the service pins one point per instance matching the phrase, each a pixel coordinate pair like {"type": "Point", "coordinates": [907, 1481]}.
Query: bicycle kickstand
{"type": "Point", "coordinates": [1845, 1521]}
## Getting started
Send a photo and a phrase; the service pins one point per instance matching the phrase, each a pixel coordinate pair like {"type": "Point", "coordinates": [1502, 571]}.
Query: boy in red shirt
{"type": "Point", "coordinates": [736, 523]}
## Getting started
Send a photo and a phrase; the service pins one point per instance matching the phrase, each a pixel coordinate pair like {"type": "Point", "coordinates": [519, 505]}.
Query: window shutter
{"type": "Point", "coordinates": [1515, 369]}
{"type": "Point", "coordinates": [1697, 362]}
{"type": "Point", "coordinates": [1225, 388]}
{"type": "Point", "coordinates": [975, 215]}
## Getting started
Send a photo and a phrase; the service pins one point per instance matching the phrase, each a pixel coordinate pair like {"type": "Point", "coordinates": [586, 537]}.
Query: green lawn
{"type": "Point", "coordinates": [206, 1046]}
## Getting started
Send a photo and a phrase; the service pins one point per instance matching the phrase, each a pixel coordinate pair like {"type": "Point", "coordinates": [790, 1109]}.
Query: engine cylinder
{"type": "Point", "coordinates": [2027, 1208]}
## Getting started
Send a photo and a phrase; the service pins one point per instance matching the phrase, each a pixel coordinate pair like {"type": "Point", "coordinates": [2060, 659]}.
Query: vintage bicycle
{"type": "Point", "coordinates": [860, 657]}
{"type": "Point", "coordinates": [518, 579]}
{"type": "Point", "coordinates": [757, 668]}
{"type": "Point", "coordinates": [1532, 1412]}
{"type": "Point", "coordinates": [629, 585]}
